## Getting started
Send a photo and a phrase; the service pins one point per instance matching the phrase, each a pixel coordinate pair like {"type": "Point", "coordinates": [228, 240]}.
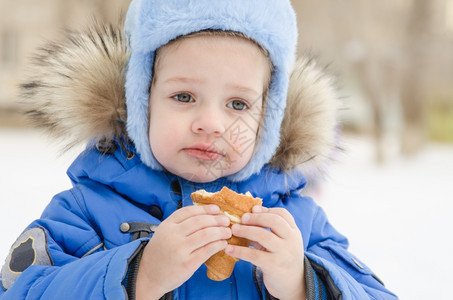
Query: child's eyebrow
{"type": "Point", "coordinates": [183, 79]}
{"type": "Point", "coordinates": [235, 87]}
{"type": "Point", "coordinates": [243, 89]}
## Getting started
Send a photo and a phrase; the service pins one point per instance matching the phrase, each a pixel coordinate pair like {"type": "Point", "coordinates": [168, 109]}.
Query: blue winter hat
{"type": "Point", "coordinates": [151, 24]}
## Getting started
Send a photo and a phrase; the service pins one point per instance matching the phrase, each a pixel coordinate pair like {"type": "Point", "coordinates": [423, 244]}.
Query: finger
{"type": "Point", "coordinates": [285, 214]}
{"type": "Point", "coordinates": [260, 235]}
{"type": "Point", "coordinates": [192, 261]}
{"type": "Point", "coordinates": [259, 209]}
{"type": "Point", "coordinates": [200, 255]}
{"type": "Point", "coordinates": [189, 211]}
{"type": "Point", "coordinates": [274, 222]}
{"type": "Point", "coordinates": [206, 236]}
{"type": "Point", "coordinates": [254, 256]}
{"type": "Point", "coordinates": [198, 222]}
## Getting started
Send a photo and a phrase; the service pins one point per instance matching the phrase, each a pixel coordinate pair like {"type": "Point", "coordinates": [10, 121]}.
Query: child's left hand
{"type": "Point", "coordinates": [278, 252]}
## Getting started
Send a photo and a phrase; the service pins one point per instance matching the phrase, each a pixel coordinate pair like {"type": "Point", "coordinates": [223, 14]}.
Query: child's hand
{"type": "Point", "coordinates": [278, 252]}
{"type": "Point", "coordinates": [180, 245]}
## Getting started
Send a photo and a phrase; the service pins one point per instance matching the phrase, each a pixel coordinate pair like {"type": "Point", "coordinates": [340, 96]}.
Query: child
{"type": "Point", "coordinates": [209, 104]}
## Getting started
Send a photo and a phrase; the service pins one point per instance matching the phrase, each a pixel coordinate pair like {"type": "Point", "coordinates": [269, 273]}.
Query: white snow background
{"type": "Point", "coordinates": [398, 216]}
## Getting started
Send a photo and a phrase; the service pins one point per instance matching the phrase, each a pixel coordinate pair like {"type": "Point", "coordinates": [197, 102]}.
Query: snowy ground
{"type": "Point", "coordinates": [397, 216]}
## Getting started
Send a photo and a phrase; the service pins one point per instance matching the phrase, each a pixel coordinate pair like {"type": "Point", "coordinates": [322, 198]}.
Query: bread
{"type": "Point", "coordinates": [233, 205]}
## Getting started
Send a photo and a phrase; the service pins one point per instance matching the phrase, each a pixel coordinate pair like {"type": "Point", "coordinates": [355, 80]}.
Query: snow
{"type": "Point", "coordinates": [398, 216]}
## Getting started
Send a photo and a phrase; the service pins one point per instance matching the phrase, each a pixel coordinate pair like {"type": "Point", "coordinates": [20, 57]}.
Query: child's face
{"type": "Point", "coordinates": [206, 105]}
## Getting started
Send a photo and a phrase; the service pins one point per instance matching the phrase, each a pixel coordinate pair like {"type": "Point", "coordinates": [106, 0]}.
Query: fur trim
{"type": "Point", "coordinates": [76, 87]}
{"type": "Point", "coordinates": [77, 93]}
{"type": "Point", "coordinates": [309, 132]}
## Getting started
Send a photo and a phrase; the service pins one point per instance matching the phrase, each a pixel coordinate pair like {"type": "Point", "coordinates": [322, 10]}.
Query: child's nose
{"type": "Point", "coordinates": [208, 122]}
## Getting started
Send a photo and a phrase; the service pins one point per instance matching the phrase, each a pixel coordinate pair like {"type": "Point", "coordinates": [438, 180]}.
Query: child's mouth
{"type": "Point", "coordinates": [203, 154]}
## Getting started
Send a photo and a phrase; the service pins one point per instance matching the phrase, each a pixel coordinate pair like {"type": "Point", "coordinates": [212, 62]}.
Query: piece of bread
{"type": "Point", "coordinates": [233, 205]}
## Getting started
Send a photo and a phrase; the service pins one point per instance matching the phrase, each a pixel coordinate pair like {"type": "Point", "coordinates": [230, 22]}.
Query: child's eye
{"type": "Point", "coordinates": [185, 98]}
{"type": "Point", "coordinates": [237, 105]}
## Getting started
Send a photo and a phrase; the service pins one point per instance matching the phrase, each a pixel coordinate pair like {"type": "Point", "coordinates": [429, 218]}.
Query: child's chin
{"type": "Point", "coordinates": [203, 176]}
{"type": "Point", "coordinates": [200, 178]}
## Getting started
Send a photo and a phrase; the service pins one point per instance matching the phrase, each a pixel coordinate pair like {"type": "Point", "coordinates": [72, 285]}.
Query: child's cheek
{"type": "Point", "coordinates": [241, 136]}
{"type": "Point", "coordinates": [238, 144]}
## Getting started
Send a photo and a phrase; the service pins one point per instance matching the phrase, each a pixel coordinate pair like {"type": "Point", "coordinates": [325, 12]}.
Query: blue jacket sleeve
{"type": "Point", "coordinates": [332, 272]}
{"type": "Point", "coordinates": [61, 256]}
{"type": "Point", "coordinates": [343, 276]}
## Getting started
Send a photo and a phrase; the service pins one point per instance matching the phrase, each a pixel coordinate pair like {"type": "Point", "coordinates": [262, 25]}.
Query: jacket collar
{"type": "Point", "coordinates": [140, 184]}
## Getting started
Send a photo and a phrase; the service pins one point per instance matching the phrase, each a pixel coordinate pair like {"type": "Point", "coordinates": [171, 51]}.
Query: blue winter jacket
{"type": "Point", "coordinates": [85, 237]}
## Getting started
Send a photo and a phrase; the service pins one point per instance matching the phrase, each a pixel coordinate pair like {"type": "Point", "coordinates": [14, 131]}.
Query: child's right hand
{"type": "Point", "coordinates": [180, 245]}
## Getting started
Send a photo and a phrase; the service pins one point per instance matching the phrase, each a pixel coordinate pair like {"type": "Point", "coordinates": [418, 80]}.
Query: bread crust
{"type": "Point", "coordinates": [227, 200]}
{"type": "Point", "coordinates": [221, 265]}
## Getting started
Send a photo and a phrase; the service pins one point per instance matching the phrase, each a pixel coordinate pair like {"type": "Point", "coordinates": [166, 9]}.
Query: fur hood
{"type": "Point", "coordinates": [76, 91]}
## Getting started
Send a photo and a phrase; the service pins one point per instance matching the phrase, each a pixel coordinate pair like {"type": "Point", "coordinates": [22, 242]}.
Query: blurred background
{"type": "Point", "coordinates": [390, 192]}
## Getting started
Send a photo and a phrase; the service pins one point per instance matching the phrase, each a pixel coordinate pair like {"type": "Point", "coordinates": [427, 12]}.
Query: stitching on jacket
{"type": "Point", "coordinates": [105, 276]}
{"type": "Point", "coordinates": [342, 256]}
{"type": "Point", "coordinates": [89, 218]}
{"type": "Point", "coordinates": [84, 211]}
{"type": "Point", "coordinates": [42, 274]}
{"type": "Point", "coordinates": [87, 242]}
{"type": "Point", "coordinates": [92, 250]}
